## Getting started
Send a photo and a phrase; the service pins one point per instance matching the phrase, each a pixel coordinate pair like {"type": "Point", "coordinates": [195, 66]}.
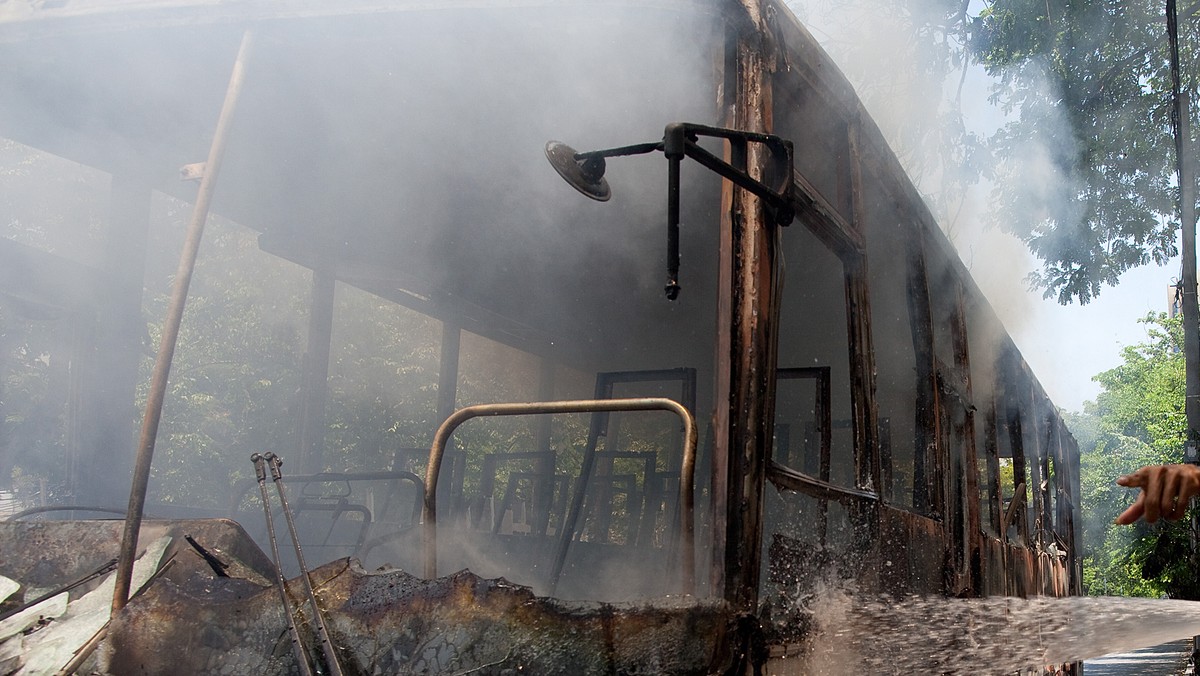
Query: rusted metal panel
{"type": "Point", "coordinates": [50, 553]}
{"type": "Point", "coordinates": [190, 620]}
{"type": "Point", "coordinates": [392, 622]}
{"type": "Point", "coordinates": [993, 578]}
{"type": "Point", "coordinates": [913, 549]}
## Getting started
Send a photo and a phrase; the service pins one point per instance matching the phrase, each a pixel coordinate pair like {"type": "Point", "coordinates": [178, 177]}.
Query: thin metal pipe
{"type": "Point", "coordinates": [672, 287]}
{"type": "Point", "coordinates": [170, 334]}
{"type": "Point", "coordinates": [335, 667]}
{"type": "Point", "coordinates": [686, 473]}
{"type": "Point", "coordinates": [635, 149]}
{"type": "Point", "coordinates": [102, 570]}
{"type": "Point", "coordinates": [260, 472]}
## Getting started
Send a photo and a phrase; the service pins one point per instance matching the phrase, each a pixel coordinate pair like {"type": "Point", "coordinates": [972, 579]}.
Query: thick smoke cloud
{"type": "Point", "coordinates": [926, 104]}
{"type": "Point", "coordinates": [406, 151]}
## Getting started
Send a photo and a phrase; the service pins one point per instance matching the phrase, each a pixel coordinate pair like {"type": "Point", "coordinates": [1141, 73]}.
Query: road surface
{"type": "Point", "coordinates": [1168, 659]}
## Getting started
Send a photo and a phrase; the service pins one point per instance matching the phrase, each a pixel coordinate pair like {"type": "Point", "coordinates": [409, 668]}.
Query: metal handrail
{"type": "Point", "coordinates": [686, 474]}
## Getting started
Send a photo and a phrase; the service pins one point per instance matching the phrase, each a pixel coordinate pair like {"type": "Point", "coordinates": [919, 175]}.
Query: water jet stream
{"type": "Point", "coordinates": [996, 635]}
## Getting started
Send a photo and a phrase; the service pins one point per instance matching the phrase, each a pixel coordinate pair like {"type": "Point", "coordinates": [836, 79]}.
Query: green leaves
{"type": "Point", "coordinates": [1089, 179]}
{"type": "Point", "coordinates": [1137, 420]}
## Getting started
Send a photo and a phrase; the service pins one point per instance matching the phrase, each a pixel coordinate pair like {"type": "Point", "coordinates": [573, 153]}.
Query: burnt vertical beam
{"type": "Point", "coordinates": [972, 532]}
{"type": "Point", "coordinates": [1064, 522]}
{"type": "Point", "coordinates": [719, 456]}
{"type": "Point", "coordinates": [824, 419]}
{"type": "Point", "coordinates": [1016, 435]}
{"type": "Point", "coordinates": [1071, 450]}
{"type": "Point", "coordinates": [864, 411]}
{"type": "Point", "coordinates": [749, 317]}
{"type": "Point", "coordinates": [925, 448]}
{"type": "Point", "coordinates": [314, 388]}
{"type": "Point", "coordinates": [1034, 455]}
{"type": "Point", "coordinates": [992, 457]}
{"type": "Point", "coordinates": [1049, 479]}
{"type": "Point", "coordinates": [1017, 442]}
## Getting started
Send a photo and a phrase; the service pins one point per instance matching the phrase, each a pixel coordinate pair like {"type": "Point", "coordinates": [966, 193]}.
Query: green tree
{"type": "Point", "coordinates": [234, 381]}
{"type": "Point", "coordinates": [1088, 175]}
{"type": "Point", "coordinates": [1137, 419]}
{"type": "Point", "coordinates": [1083, 168]}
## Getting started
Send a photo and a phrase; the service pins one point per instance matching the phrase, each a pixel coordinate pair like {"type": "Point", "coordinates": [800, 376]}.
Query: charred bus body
{"type": "Point", "coordinates": [850, 407]}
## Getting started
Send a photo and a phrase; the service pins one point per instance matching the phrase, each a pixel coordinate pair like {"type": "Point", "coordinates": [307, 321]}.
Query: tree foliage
{"type": "Point", "coordinates": [1082, 166]}
{"type": "Point", "coordinates": [1138, 419]}
{"type": "Point", "coordinates": [1087, 177]}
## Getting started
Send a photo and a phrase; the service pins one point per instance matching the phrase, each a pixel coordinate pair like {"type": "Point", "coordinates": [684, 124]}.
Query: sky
{"type": "Point", "coordinates": [1065, 346]}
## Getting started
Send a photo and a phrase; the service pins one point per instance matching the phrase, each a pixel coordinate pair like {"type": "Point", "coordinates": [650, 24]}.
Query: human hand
{"type": "Point", "coordinates": [1166, 490]}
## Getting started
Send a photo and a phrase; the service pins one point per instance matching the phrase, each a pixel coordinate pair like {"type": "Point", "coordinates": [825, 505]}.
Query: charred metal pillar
{"type": "Point", "coordinates": [314, 388]}
{"type": "Point", "coordinates": [748, 311]}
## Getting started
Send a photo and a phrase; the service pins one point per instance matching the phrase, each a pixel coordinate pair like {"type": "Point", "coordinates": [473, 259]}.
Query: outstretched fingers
{"type": "Point", "coordinates": [1166, 490]}
{"type": "Point", "coordinates": [1134, 512]}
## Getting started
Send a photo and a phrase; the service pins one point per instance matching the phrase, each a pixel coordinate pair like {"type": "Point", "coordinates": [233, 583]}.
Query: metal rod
{"type": "Point", "coordinates": [102, 570]}
{"type": "Point", "coordinates": [635, 149]}
{"type": "Point", "coordinates": [335, 667]}
{"type": "Point", "coordinates": [170, 333]}
{"type": "Point", "coordinates": [260, 471]}
{"type": "Point", "coordinates": [738, 176]}
{"type": "Point", "coordinates": [686, 474]}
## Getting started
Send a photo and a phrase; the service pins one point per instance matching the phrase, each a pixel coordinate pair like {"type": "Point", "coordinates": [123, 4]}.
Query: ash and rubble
{"type": "Point", "coordinates": [187, 618]}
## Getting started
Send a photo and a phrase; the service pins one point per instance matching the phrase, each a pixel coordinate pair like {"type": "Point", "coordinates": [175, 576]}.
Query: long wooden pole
{"type": "Point", "coordinates": [170, 333]}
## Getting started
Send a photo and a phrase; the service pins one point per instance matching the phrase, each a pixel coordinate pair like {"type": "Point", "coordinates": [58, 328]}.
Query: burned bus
{"type": "Point", "coordinates": [627, 423]}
